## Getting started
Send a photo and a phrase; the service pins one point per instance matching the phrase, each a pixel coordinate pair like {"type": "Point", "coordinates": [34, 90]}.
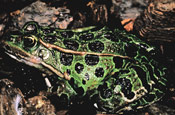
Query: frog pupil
{"type": "Point", "coordinates": [29, 42]}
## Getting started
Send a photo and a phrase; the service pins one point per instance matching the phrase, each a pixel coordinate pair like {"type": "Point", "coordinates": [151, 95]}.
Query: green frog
{"type": "Point", "coordinates": [113, 68]}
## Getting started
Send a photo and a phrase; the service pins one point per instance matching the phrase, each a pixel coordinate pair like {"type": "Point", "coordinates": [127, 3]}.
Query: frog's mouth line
{"type": "Point", "coordinates": [24, 57]}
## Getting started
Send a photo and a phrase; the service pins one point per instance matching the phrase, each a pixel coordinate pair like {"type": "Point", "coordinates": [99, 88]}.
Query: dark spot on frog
{"type": "Point", "coordinates": [111, 36]}
{"type": "Point", "coordinates": [118, 62]}
{"type": "Point", "coordinates": [91, 59]}
{"type": "Point", "coordinates": [131, 50]}
{"type": "Point", "coordinates": [86, 76]}
{"type": "Point", "coordinates": [87, 36]}
{"type": "Point", "coordinates": [99, 72]}
{"type": "Point", "coordinates": [79, 67]}
{"type": "Point", "coordinates": [115, 75]}
{"type": "Point", "coordinates": [130, 95]}
{"type": "Point", "coordinates": [103, 86]}
{"type": "Point", "coordinates": [106, 93]}
{"type": "Point", "coordinates": [48, 30]}
{"type": "Point", "coordinates": [125, 84]}
{"type": "Point", "coordinates": [68, 71]}
{"type": "Point", "coordinates": [66, 34]}
{"type": "Point", "coordinates": [72, 45]}
{"type": "Point", "coordinates": [50, 39]}
{"type": "Point", "coordinates": [83, 82]}
{"type": "Point", "coordinates": [142, 75]}
{"type": "Point", "coordinates": [66, 58]}
{"type": "Point", "coordinates": [96, 46]}
{"type": "Point", "coordinates": [80, 91]}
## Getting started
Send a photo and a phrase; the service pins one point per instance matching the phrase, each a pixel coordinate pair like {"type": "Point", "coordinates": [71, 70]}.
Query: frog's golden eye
{"type": "Point", "coordinates": [29, 41]}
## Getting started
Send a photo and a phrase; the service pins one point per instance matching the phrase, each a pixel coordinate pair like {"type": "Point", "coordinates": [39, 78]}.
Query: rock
{"type": "Point", "coordinates": [157, 21]}
{"type": "Point", "coordinates": [39, 105]}
{"type": "Point", "coordinates": [12, 5]}
{"type": "Point", "coordinates": [11, 98]}
{"type": "Point", "coordinates": [12, 102]}
{"type": "Point", "coordinates": [44, 15]}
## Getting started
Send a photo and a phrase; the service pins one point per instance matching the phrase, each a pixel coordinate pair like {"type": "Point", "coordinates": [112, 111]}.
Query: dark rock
{"type": "Point", "coordinates": [157, 21]}
{"type": "Point", "coordinates": [44, 15]}
{"type": "Point", "coordinates": [11, 98]}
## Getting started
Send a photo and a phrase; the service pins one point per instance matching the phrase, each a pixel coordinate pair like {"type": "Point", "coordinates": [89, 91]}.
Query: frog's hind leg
{"type": "Point", "coordinates": [117, 92]}
{"type": "Point", "coordinates": [130, 88]}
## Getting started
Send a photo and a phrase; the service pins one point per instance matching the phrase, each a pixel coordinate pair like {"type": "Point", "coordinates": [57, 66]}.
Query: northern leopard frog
{"type": "Point", "coordinates": [113, 68]}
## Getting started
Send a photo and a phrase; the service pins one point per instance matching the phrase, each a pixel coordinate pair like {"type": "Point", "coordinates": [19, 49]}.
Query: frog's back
{"type": "Point", "coordinates": [118, 65]}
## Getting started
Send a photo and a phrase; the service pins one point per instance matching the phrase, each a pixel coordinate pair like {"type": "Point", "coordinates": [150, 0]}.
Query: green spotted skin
{"type": "Point", "coordinates": [116, 70]}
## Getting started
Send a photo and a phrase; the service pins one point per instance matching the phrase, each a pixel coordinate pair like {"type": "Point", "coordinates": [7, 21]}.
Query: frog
{"type": "Point", "coordinates": [115, 69]}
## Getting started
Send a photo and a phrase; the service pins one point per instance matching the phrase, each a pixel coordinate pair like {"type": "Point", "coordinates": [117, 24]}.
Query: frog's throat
{"type": "Point", "coordinates": [47, 45]}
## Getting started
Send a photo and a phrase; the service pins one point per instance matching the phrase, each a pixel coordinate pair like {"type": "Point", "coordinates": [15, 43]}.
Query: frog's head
{"type": "Point", "coordinates": [24, 46]}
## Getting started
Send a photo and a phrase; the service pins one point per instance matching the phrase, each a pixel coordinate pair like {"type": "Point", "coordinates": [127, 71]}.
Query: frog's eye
{"type": "Point", "coordinates": [29, 41]}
